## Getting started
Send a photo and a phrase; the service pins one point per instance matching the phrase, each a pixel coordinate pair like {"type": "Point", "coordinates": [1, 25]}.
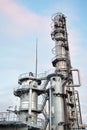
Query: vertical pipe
{"type": "Point", "coordinates": [34, 107]}
{"type": "Point", "coordinates": [50, 108]}
{"type": "Point", "coordinates": [30, 101]}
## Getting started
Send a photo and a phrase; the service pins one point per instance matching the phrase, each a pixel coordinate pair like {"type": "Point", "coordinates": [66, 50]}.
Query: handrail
{"type": "Point", "coordinates": [26, 75]}
{"type": "Point", "coordinates": [8, 116]}
{"type": "Point", "coordinates": [55, 15]}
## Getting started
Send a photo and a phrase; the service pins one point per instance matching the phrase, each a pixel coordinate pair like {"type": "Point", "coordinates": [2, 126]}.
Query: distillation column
{"type": "Point", "coordinates": [60, 99]}
{"type": "Point", "coordinates": [61, 67]}
{"type": "Point", "coordinates": [28, 94]}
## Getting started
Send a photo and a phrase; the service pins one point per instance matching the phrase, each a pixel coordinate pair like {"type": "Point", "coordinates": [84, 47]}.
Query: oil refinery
{"type": "Point", "coordinates": [49, 101]}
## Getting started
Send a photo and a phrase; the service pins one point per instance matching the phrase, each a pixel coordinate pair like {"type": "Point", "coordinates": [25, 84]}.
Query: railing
{"type": "Point", "coordinates": [21, 87]}
{"type": "Point", "coordinates": [8, 116]}
{"type": "Point", "coordinates": [40, 123]}
{"type": "Point", "coordinates": [56, 15]}
{"type": "Point", "coordinates": [41, 75]}
{"type": "Point", "coordinates": [23, 75]}
{"type": "Point", "coordinates": [59, 57]}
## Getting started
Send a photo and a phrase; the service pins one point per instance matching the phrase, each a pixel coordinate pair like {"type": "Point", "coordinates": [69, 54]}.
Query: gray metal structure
{"type": "Point", "coordinates": [48, 102]}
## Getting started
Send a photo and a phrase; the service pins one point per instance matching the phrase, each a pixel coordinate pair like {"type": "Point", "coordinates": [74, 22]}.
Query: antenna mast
{"type": "Point", "coordinates": [36, 57]}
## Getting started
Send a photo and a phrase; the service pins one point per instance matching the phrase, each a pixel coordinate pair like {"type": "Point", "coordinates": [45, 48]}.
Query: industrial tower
{"type": "Point", "coordinates": [49, 102]}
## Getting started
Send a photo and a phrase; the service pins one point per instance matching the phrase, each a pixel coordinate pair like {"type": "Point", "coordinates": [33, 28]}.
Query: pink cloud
{"type": "Point", "coordinates": [21, 16]}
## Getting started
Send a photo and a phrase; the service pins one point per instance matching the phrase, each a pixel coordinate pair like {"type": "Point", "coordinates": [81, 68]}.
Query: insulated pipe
{"type": "Point", "coordinates": [30, 101]}
{"type": "Point", "coordinates": [34, 107]}
{"type": "Point", "coordinates": [34, 100]}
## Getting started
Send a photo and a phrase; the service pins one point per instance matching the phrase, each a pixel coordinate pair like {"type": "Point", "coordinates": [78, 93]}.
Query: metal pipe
{"type": "Point", "coordinates": [34, 107]}
{"type": "Point", "coordinates": [50, 116]}
{"type": "Point", "coordinates": [36, 58]}
{"type": "Point", "coordinates": [79, 80]}
{"type": "Point", "coordinates": [30, 101]}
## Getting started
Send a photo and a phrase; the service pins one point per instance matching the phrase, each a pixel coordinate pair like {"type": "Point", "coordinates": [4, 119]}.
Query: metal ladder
{"type": "Point", "coordinates": [78, 109]}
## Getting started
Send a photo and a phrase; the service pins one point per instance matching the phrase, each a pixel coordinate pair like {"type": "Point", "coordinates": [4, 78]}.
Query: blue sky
{"type": "Point", "coordinates": [21, 22]}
